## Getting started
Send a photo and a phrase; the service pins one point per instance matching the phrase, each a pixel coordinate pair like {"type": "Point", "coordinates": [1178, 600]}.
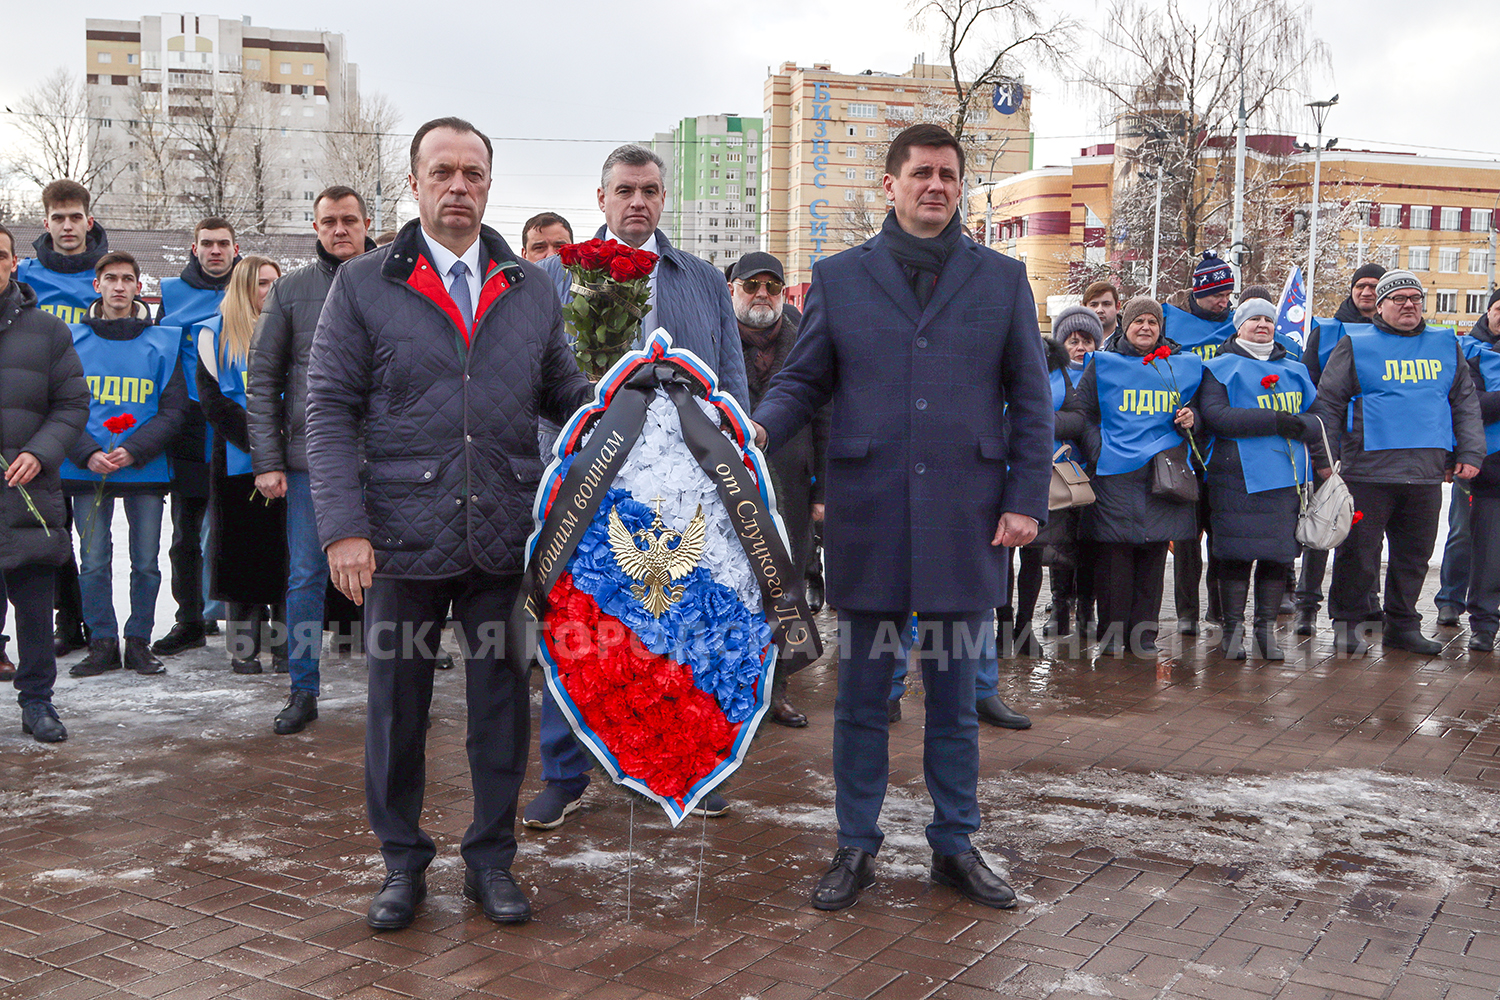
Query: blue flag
{"type": "Point", "coordinates": [1291, 313]}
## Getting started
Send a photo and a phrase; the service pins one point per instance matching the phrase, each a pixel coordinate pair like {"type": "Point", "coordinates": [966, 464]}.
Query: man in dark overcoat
{"type": "Point", "coordinates": [920, 340]}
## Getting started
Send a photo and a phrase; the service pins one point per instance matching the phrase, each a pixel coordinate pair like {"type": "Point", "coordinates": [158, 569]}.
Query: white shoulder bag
{"type": "Point", "coordinates": [1328, 511]}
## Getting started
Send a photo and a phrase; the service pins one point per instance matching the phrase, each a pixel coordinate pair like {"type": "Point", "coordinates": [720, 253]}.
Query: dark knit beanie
{"type": "Point", "coordinates": [1077, 319]}
{"type": "Point", "coordinates": [1137, 307]}
{"type": "Point", "coordinates": [1211, 276]}
{"type": "Point", "coordinates": [1494, 297]}
{"type": "Point", "coordinates": [1258, 292]}
{"type": "Point", "coordinates": [1364, 271]}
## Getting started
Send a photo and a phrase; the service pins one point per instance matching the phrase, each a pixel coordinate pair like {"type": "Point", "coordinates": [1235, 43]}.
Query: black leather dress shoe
{"type": "Point", "coordinates": [998, 713]}
{"type": "Point", "coordinates": [179, 639]}
{"type": "Point", "coordinates": [104, 656]}
{"type": "Point", "coordinates": [497, 894]}
{"type": "Point", "coordinates": [968, 873]}
{"type": "Point", "coordinates": [852, 870]}
{"type": "Point", "coordinates": [1411, 640]}
{"type": "Point", "coordinates": [893, 710]}
{"type": "Point", "coordinates": [395, 905]}
{"type": "Point", "coordinates": [1482, 642]}
{"type": "Point", "coordinates": [39, 720]}
{"type": "Point", "coordinates": [138, 657]}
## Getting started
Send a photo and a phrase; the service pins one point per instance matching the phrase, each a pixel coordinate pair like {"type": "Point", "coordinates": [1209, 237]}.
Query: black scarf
{"type": "Point", "coordinates": [1202, 313]}
{"type": "Point", "coordinates": [195, 277]}
{"type": "Point", "coordinates": [331, 263]}
{"type": "Point", "coordinates": [95, 245]}
{"type": "Point", "coordinates": [921, 259]}
{"type": "Point", "coordinates": [1348, 312]}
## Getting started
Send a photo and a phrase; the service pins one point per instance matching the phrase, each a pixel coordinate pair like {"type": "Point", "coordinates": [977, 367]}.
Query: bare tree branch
{"type": "Point", "coordinates": [56, 125]}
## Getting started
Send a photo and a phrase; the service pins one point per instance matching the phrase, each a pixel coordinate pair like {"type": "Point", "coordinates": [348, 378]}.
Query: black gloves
{"type": "Point", "coordinates": [1289, 425]}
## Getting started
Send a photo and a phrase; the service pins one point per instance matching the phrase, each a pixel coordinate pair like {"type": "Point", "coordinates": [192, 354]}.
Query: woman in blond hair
{"type": "Point", "coordinates": [247, 540]}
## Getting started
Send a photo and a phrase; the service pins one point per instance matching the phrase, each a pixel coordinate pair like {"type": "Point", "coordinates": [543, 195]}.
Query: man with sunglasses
{"type": "Point", "coordinates": [757, 289]}
{"type": "Point", "coordinates": [1395, 398]}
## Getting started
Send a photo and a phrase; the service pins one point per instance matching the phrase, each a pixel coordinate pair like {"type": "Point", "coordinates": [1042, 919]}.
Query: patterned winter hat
{"type": "Point", "coordinates": [1211, 276]}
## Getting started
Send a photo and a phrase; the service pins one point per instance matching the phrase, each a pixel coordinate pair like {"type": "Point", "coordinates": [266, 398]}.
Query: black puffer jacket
{"type": "Point", "coordinates": [1247, 526]}
{"type": "Point", "coordinates": [1124, 511]}
{"type": "Point", "coordinates": [44, 405]}
{"type": "Point", "coordinates": [276, 382]}
{"type": "Point", "coordinates": [423, 444]}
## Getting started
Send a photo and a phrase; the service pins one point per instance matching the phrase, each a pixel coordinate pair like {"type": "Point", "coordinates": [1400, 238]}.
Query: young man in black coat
{"type": "Point", "coordinates": [44, 403]}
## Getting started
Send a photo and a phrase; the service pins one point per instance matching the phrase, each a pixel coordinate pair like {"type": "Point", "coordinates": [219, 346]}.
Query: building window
{"type": "Point", "coordinates": [307, 196]}
{"type": "Point", "coordinates": [749, 206]}
{"type": "Point", "coordinates": [851, 152]}
{"type": "Point", "coordinates": [253, 64]}
{"type": "Point", "coordinates": [713, 158]}
{"type": "Point", "coordinates": [1448, 260]}
{"type": "Point", "coordinates": [307, 69]}
{"type": "Point", "coordinates": [714, 141]}
{"type": "Point", "coordinates": [1417, 258]}
{"type": "Point", "coordinates": [1475, 301]}
{"type": "Point", "coordinates": [714, 189]}
{"type": "Point", "coordinates": [871, 153]}
{"type": "Point", "coordinates": [132, 58]}
{"type": "Point", "coordinates": [306, 216]}
{"type": "Point", "coordinates": [853, 131]}
{"type": "Point", "coordinates": [732, 157]}
{"type": "Point", "coordinates": [869, 196]}
{"type": "Point", "coordinates": [849, 172]}
{"type": "Point", "coordinates": [106, 123]}
{"type": "Point", "coordinates": [871, 174]}
{"type": "Point", "coordinates": [871, 131]}
{"type": "Point", "coordinates": [1479, 262]}
{"type": "Point", "coordinates": [849, 195]}
{"type": "Point", "coordinates": [1479, 220]}
{"type": "Point", "coordinates": [1421, 217]}
{"type": "Point", "coordinates": [863, 110]}
{"type": "Point", "coordinates": [104, 102]}
{"type": "Point", "coordinates": [286, 68]}
{"type": "Point", "coordinates": [713, 237]}
{"type": "Point", "coordinates": [751, 158]}
{"type": "Point", "coordinates": [105, 57]}
{"type": "Point", "coordinates": [1388, 257]}
{"type": "Point", "coordinates": [713, 175]}
{"type": "Point", "coordinates": [1450, 219]}
{"type": "Point", "coordinates": [1445, 302]}
{"type": "Point", "coordinates": [1390, 216]}
{"type": "Point", "coordinates": [749, 192]}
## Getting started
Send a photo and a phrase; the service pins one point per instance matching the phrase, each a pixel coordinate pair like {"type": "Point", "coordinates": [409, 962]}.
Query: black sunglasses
{"type": "Point", "coordinates": [752, 285]}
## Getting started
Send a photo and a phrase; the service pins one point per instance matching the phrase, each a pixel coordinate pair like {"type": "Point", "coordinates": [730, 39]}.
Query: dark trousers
{"type": "Point", "coordinates": [1076, 582]}
{"type": "Point", "coordinates": [403, 622]}
{"type": "Point", "coordinates": [1028, 585]}
{"type": "Point", "coordinates": [186, 555]}
{"type": "Point", "coordinates": [1405, 517]}
{"type": "Point", "coordinates": [30, 589]}
{"type": "Point", "coordinates": [950, 648]}
{"type": "Point", "coordinates": [1310, 581]}
{"type": "Point", "coordinates": [1484, 566]}
{"type": "Point", "coordinates": [68, 597]}
{"type": "Point", "coordinates": [1128, 584]}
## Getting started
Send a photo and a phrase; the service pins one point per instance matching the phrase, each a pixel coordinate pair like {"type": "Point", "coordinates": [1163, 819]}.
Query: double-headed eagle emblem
{"type": "Point", "coordinates": [660, 562]}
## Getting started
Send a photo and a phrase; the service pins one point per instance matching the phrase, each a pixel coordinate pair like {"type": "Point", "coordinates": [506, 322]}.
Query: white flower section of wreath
{"type": "Point", "coordinates": [661, 465]}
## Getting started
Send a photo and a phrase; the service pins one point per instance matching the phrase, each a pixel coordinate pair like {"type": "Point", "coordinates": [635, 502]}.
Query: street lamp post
{"type": "Point", "coordinates": [1156, 234]}
{"type": "Point", "coordinates": [1320, 111]}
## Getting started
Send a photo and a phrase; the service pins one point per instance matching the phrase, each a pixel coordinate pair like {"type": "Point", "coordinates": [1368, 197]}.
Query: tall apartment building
{"type": "Point", "coordinates": [713, 185]}
{"type": "Point", "coordinates": [153, 84]}
{"type": "Point", "coordinates": [824, 144]}
{"type": "Point", "coordinates": [1433, 216]}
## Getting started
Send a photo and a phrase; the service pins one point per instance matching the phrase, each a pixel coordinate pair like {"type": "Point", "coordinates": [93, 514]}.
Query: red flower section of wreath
{"type": "Point", "coordinates": [661, 728]}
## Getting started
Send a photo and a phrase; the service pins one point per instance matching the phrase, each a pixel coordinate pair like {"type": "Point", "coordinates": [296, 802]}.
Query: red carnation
{"type": "Point", "coordinates": [119, 424]}
{"type": "Point", "coordinates": [1269, 381]}
{"type": "Point", "coordinates": [1359, 515]}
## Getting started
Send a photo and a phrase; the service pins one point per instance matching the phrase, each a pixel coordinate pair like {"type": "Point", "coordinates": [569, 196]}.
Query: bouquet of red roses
{"type": "Point", "coordinates": [611, 289]}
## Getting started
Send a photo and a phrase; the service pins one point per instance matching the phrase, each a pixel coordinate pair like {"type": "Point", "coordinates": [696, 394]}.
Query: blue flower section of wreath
{"type": "Point", "coordinates": [709, 629]}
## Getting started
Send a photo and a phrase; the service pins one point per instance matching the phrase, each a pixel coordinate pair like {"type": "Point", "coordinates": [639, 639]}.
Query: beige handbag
{"type": "Point", "coordinates": [1070, 484]}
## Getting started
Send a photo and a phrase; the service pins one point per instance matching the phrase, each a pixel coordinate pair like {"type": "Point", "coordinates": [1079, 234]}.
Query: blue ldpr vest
{"type": "Point", "coordinates": [1060, 386]}
{"type": "Point", "coordinates": [187, 309]}
{"type": "Point", "coordinates": [1268, 462]}
{"type": "Point", "coordinates": [1330, 332]}
{"type": "Point", "coordinates": [66, 296]}
{"type": "Point", "coordinates": [232, 385]}
{"type": "Point", "coordinates": [125, 376]}
{"type": "Point", "coordinates": [1489, 371]}
{"type": "Point", "coordinates": [1136, 407]}
{"type": "Point", "coordinates": [1404, 383]}
{"type": "Point", "coordinates": [1193, 333]}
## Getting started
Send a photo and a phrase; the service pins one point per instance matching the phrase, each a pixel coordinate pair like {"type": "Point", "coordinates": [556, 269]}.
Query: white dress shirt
{"type": "Point", "coordinates": [649, 324]}
{"type": "Point", "coordinates": [442, 261]}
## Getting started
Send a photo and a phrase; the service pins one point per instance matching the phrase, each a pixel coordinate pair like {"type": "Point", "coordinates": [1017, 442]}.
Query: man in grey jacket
{"type": "Point", "coordinates": [1403, 391]}
{"type": "Point", "coordinates": [277, 390]}
{"type": "Point", "coordinates": [432, 360]}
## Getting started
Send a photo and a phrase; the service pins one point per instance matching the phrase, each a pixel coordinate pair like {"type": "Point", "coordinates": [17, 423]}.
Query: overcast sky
{"type": "Point", "coordinates": [557, 84]}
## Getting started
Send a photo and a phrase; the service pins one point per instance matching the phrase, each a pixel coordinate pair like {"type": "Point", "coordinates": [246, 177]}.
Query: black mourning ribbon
{"type": "Point", "coordinates": [593, 472]}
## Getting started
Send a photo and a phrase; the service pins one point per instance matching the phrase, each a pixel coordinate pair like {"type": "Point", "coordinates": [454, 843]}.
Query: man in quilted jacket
{"type": "Point", "coordinates": [432, 359]}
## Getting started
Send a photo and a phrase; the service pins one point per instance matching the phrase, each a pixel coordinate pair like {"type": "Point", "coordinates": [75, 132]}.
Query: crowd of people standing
{"type": "Point", "coordinates": [377, 420]}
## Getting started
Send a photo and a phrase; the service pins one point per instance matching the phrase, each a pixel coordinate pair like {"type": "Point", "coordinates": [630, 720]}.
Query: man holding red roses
{"type": "Point", "coordinates": [691, 302]}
